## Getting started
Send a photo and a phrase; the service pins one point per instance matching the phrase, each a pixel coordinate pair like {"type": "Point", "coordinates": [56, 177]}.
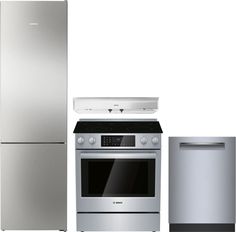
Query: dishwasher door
{"type": "Point", "coordinates": [201, 180]}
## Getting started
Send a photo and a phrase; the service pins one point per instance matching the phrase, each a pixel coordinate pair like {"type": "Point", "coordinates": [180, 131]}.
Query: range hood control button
{"type": "Point", "coordinates": [155, 140]}
{"type": "Point", "coordinates": [80, 140]}
{"type": "Point", "coordinates": [143, 140]}
{"type": "Point", "coordinates": [92, 140]}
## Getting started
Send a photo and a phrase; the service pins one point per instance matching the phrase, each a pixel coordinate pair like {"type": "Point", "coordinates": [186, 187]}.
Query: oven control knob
{"type": "Point", "coordinates": [143, 140]}
{"type": "Point", "coordinates": [80, 140]}
{"type": "Point", "coordinates": [155, 140]}
{"type": "Point", "coordinates": [92, 140]}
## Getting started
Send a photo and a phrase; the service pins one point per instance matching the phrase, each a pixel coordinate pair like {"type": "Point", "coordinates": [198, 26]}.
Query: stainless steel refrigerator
{"type": "Point", "coordinates": [33, 115]}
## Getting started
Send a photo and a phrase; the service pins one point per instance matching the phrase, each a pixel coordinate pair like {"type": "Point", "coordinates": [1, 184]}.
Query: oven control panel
{"type": "Point", "coordinates": [118, 141]}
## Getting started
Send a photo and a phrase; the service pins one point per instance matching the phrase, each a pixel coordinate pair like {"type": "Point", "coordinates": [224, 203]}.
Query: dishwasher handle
{"type": "Point", "coordinates": [202, 145]}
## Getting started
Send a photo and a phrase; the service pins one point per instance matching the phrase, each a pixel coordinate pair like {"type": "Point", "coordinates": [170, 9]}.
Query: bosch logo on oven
{"type": "Point", "coordinates": [117, 202]}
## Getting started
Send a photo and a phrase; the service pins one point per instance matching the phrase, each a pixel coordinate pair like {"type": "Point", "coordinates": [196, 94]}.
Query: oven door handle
{"type": "Point", "coordinates": [147, 155]}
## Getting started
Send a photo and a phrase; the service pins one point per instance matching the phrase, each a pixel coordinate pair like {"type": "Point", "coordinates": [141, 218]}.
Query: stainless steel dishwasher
{"type": "Point", "coordinates": [202, 183]}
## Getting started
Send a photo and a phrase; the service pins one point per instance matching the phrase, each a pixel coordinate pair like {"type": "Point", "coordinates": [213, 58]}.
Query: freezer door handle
{"type": "Point", "coordinates": [199, 145]}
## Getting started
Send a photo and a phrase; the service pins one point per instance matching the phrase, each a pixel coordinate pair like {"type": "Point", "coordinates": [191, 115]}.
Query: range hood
{"type": "Point", "coordinates": [128, 105]}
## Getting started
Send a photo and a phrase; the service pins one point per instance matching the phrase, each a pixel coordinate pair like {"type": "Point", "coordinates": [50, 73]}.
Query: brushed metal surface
{"type": "Point", "coordinates": [129, 105]}
{"type": "Point", "coordinates": [202, 180]}
{"type": "Point", "coordinates": [130, 204]}
{"type": "Point", "coordinates": [118, 155]}
{"type": "Point", "coordinates": [33, 187]}
{"type": "Point", "coordinates": [33, 71]}
{"type": "Point", "coordinates": [118, 222]}
{"type": "Point", "coordinates": [97, 144]}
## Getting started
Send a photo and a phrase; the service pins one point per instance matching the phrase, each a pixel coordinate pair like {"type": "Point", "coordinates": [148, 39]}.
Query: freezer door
{"type": "Point", "coordinates": [201, 180]}
{"type": "Point", "coordinates": [33, 71]}
{"type": "Point", "coordinates": [33, 187]}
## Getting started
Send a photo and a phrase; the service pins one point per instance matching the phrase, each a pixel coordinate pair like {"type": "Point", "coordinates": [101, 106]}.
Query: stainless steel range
{"type": "Point", "coordinates": [118, 168]}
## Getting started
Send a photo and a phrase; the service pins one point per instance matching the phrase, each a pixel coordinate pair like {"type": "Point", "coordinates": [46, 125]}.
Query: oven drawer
{"type": "Point", "coordinates": [112, 222]}
{"type": "Point", "coordinates": [116, 181]}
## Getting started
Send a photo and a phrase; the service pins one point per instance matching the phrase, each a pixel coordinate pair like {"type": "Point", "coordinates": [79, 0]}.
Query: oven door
{"type": "Point", "coordinates": [119, 181]}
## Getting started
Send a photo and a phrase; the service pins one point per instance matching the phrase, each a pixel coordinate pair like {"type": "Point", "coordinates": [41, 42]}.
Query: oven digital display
{"type": "Point", "coordinates": [118, 141]}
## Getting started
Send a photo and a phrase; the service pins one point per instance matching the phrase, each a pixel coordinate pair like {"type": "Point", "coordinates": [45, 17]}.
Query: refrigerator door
{"type": "Point", "coordinates": [33, 71]}
{"type": "Point", "coordinates": [201, 180]}
{"type": "Point", "coordinates": [34, 189]}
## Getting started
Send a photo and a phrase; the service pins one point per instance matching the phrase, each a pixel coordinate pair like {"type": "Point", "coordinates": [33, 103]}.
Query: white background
{"type": "Point", "coordinates": [183, 51]}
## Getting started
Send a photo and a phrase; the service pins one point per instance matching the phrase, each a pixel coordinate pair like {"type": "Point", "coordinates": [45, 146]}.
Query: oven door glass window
{"type": "Point", "coordinates": [118, 177]}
